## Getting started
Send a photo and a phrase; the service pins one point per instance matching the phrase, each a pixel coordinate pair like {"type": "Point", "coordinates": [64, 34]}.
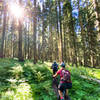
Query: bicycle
{"type": "Point", "coordinates": [55, 82]}
{"type": "Point", "coordinates": [64, 96]}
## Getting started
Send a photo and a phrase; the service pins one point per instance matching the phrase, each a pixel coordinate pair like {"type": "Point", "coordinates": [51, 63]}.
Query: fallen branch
{"type": "Point", "coordinates": [93, 79]}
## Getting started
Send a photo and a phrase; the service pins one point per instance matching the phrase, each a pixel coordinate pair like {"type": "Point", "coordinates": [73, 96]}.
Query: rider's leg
{"type": "Point", "coordinates": [66, 92]}
{"type": "Point", "coordinates": [53, 72]}
{"type": "Point", "coordinates": [61, 94]}
{"type": "Point", "coordinates": [60, 90]}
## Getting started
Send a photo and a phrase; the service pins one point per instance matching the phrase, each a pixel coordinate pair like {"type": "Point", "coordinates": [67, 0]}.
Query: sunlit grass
{"type": "Point", "coordinates": [48, 63]}
{"type": "Point", "coordinates": [89, 72]}
{"type": "Point", "coordinates": [97, 74]}
{"type": "Point", "coordinates": [22, 92]}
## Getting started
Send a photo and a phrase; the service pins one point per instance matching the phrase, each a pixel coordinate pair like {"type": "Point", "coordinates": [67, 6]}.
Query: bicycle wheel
{"type": "Point", "coordinates": [59, 97]}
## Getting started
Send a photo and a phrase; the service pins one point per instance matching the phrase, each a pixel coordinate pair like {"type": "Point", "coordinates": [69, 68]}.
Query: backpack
{"type": "Point", "coordinates": [55, 66]}
{"type": "Point", "coordinates": [66, 76]}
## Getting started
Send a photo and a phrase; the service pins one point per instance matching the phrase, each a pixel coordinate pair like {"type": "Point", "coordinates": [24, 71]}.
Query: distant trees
{"type": "Point", "coordinates": [54, 30]}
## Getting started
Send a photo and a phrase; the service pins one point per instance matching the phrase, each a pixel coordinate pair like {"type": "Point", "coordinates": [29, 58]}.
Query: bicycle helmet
{"type": "Point", "coordinates": [62, 64]}
{"type": "Point", "coordinates": [54, 62]}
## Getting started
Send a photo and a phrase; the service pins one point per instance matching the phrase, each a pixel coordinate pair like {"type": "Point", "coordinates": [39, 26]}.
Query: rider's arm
{"type": "Point", "coordinates": [55, 75]}
{"type": "Point", "coordinates": [58, 72]}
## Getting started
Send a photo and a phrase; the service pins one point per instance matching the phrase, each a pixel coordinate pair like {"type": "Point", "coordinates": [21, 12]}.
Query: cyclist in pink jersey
{"type": "Point", "coordinates": [63, 84]}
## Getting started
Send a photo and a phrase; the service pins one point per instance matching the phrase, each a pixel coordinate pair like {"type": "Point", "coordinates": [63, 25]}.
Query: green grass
{"type": "Point", "coordinates": [84, 89]}
{"type": "Point", "coordinates": [89, 72]}
{"type": "Point", "coordinates": [26, 81]}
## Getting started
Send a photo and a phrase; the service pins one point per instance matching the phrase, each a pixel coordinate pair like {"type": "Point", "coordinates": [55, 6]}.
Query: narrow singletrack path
{"type": "Point", "coordinates": [55, 88]}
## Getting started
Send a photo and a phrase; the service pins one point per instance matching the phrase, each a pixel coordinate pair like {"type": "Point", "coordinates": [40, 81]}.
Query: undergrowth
{"type": "Point", "coordinates": [26, 81]}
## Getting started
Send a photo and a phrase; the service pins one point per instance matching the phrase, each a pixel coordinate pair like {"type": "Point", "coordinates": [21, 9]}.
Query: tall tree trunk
{"type": "Point", "coordinates": [60, 36]}
{"type": "Point", "coordinates": [50, 43]}
{"type": "Point", "coordinates": [96, 4]}
{"type": "Point", "coordinates": [25, 45]}
{"type": "Point", "coordinates": [34, 32]}
{"type": "Point", "coordinates": [3, 33]}
{"type": "Point", "coordinates": [97, 13]}
{"type": "Point", "coordinates": [28, 41]}
{"type": "Point", "coordinates": [57, 31]}
{"type": "Point", "coordinates": [12, 38]}
{"type": "Point", "coordinates": [74, 44]}
{"type": "Point", "coordinates": [83, 36]}
{"type": "Point", "coordinates": [20, 56]}
{"type": "Point", "coordinates": [43, 36]}
{"type": "Point", "coordinates": [50, 34]}
{"type": "Point", "coordinates": [65, 56]}
{"type": "Point", "coordinates": [1, 8]}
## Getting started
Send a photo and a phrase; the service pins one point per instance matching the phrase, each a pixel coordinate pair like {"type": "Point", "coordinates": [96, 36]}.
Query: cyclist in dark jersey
{"type": "Point", "coordinates": [54, 67]}
{"type": "Point", "coordinates": [63, 85]}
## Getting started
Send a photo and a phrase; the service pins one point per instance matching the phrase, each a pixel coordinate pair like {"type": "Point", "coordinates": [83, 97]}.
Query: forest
{"type": "Point", "coordinates": [35, 33]}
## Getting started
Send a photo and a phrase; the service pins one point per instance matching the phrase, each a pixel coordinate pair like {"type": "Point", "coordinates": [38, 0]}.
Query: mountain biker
{"type": "Point", "coordinates": [54, 67]}
{"type": "Point", "coordinates": [63, 85]}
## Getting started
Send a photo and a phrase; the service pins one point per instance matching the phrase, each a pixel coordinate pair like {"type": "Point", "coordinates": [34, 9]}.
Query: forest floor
{"type": "Point", "coordinates": [26, 81]}
{"type": "Point", "coordinates": [55, 88]}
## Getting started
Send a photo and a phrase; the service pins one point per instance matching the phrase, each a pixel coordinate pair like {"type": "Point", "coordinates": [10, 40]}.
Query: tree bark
{"type": "Point", "coordinates": [3, 33]}
{"type": "Point", "coordinates": [57, 32]}
{"type": "Point", "coordinates": [34, 32]}
{"type": "Point", "coordinates": [83, 36]}
{"type": "Point", "coordinates": [60, 36]}
{"type": "Point", "coordinates": [20, 56]}
{"type": "Point", "coordinates": [97, 13]}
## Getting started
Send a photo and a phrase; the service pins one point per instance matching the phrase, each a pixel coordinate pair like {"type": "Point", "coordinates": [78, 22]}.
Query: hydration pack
{"type": "Point", "coordinates": [66, 76]}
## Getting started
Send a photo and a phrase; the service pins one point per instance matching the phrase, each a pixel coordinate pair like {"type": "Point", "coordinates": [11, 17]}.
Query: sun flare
{"type": "Point", "coordinates": [16, 10]}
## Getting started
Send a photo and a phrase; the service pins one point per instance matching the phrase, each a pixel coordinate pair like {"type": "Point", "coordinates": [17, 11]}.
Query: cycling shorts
{"type": "Point", "coordinates": [63, 86]}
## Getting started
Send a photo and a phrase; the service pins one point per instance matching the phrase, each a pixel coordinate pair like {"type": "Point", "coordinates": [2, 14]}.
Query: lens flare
{"type": "Point", "coordinates": [16, 10]}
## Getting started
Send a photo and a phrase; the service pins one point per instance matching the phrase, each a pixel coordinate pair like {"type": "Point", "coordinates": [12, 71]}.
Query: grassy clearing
{"type": "Point", "coordinates": [26, 81]}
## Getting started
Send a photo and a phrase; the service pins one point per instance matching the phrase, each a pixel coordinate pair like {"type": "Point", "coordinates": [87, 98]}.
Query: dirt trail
{"type": "Point", "coordinates": [54, 86]}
